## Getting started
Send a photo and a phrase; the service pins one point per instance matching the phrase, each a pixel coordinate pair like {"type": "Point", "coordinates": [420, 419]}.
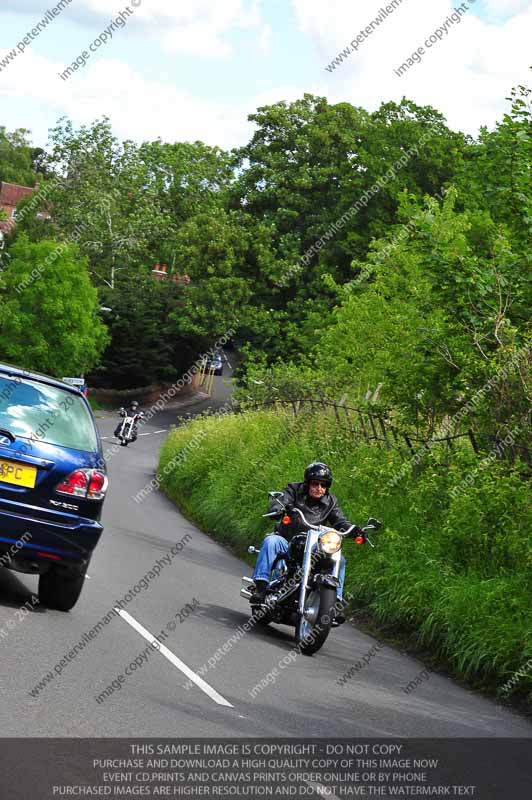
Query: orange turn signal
{"type": "Point", "coordinates": [359, 540]}
{"type": "Point", "coordinates": [286, 520]}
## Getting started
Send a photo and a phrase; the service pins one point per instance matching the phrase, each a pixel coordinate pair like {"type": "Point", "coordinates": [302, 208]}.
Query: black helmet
{"type": "Point", "coordinates": [318, 471]}
{"type": "Point", "coordinates": [134, 404]}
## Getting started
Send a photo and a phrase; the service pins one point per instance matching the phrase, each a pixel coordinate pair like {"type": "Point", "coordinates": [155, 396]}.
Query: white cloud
{"type": "Point", "coordinates": [195, 27]}
{"type": "Point", "coordinates": [467, 75]}
{"type": "Point", "coordinates": [139, 109]}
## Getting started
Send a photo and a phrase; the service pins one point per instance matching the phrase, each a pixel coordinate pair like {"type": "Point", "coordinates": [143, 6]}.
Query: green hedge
{"type": "Point", "coordinates": [453, 569]}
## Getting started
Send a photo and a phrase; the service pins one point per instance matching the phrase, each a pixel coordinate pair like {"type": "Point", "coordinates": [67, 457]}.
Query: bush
{"type": "Point", "coordinates": [452, 570]}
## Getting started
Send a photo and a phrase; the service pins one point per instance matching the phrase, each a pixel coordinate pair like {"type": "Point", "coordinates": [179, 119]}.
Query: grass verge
{"type": "Point", "coordinates": [453, 563]}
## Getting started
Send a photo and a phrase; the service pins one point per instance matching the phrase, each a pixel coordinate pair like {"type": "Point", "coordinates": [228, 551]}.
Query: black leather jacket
{"type": "Point", "coordinates": [325, 511]}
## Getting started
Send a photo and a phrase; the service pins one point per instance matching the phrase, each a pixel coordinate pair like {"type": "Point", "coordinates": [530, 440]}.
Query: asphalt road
{"type": "Point", "coordinates": [195, 601]}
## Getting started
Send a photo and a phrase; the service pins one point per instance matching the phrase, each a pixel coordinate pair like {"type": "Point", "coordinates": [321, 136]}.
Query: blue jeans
{"type": "Point", "coordinates": [271, 546]}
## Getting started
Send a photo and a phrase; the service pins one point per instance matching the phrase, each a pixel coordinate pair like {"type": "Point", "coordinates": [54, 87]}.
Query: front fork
{"type": "Point", "coordinates": [312, 540]}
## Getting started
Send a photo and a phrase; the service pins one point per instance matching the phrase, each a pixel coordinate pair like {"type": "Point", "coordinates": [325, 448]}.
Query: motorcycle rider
{"type": "Point", "coordinates": [132, 411]}
{"type": "Point", "coordinates": [320, 507]}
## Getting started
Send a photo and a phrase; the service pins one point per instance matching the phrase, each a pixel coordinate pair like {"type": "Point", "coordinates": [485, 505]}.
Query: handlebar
{"type": "Point", "coordinates": [371, 525]}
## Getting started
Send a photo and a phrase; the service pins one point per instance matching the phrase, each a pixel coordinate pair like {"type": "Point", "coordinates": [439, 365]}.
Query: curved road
{"type": "Point", "coordinates": [194, 599]}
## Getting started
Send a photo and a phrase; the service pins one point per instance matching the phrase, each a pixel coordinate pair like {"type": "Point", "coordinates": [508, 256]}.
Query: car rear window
{"type": "Point", "coordinates": [43, 413]}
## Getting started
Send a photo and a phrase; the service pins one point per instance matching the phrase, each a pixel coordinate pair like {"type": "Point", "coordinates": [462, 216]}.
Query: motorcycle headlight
{"type": "Point", "coordinates": [330, 542]}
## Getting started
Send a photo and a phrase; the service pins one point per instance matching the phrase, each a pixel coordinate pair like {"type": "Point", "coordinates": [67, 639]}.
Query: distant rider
{"type": "Point", "coordinates": [132, 411]}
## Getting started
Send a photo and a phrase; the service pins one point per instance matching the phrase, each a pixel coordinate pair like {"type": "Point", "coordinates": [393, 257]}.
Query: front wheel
{"type": "Point", "coordinates": [314, 626]}
{"type": "Point", "coordinates": [60, 591]}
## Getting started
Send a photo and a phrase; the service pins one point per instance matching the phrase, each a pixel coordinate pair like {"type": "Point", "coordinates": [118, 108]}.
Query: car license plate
{"type": "Point", "coordinates": [19, 474]}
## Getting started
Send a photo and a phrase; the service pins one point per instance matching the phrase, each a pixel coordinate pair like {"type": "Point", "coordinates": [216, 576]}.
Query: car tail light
{"type": "Point", "coordinates": [88, 483]}
{"type": "Point", "coordinates": [97, 485]}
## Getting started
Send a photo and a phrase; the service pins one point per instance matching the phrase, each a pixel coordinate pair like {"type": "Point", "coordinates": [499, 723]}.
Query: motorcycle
{"type": "Point", "coordinates": [304, 580]}
{"type": "Point", "coordinates": [127, 432]}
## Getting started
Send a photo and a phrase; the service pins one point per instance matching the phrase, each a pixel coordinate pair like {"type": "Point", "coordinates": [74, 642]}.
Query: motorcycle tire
{"type": "Point", "coordinates": [313, 628]}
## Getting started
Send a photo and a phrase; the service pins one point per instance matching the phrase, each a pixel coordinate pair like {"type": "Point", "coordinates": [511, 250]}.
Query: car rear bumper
{"type": "Point", "coordinates": [31, 534]}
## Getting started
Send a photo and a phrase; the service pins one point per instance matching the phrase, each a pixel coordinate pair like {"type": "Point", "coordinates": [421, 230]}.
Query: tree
{"type": "Point", "coordinates": [102, 198]}
{"type": "Point", "coordinates": [145, 345]}
{"type": "Point", "coordinates": [309, 163]}
{"type": "Point", "coordinates": [19, 161]}
{"type": "Point", "coordinates": [49, 320]}
{"type": "Point", "coordinates": [433, 318]}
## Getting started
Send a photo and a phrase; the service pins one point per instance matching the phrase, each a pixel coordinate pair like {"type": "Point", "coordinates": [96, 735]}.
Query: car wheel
{"type": "Point", "coordinates": [60, 591]}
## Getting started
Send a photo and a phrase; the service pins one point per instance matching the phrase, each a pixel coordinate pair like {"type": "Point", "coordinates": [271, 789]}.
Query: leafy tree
{"type": "Point", "coordinates": [433, 318]}
{"type": "Point", "coordinates": [49, 314]}
{"type": "Point", "coordinates": [145, 346]}
{"type": "Point", "coordinates": [19, 161]}
{"type": "Point", "coordinates": [102, 199]}
{"type": "Point", "coordinates": [308, 164]}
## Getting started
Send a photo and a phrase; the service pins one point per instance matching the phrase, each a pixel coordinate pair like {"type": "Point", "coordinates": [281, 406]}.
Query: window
{"type": "Point", "coordinates": [46, 413]}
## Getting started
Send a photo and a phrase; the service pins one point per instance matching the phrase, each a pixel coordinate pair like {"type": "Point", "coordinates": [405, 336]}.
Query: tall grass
{"type": "Point", "coordinates": [453, 571]}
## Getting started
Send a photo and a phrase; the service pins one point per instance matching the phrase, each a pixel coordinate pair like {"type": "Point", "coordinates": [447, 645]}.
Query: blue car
{"type": "Point", "coordinates": [53, 483]}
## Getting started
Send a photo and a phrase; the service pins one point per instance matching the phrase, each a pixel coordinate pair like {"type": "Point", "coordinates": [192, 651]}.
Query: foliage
{"type": "Point", "coordinates": [322, 240]}
{"type": "Point", "coordinates": [434, 315]}
{"type": "Point", "coordinates": [49, 310]}
{"type": "Point", "coordinates": [19, 161]}
{"type": "Point", "coordinates": [451, 568]}
{"type": "Point", "coordinates": [144, 345]}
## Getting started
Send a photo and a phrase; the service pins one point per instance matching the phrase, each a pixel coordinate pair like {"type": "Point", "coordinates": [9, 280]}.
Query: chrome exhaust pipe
{"type": "Point", "coordinates": [246, 584]}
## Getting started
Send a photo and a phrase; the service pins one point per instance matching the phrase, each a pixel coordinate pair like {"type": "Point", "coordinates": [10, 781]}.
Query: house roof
{"type": "Point", "coordinates": [10, 195]}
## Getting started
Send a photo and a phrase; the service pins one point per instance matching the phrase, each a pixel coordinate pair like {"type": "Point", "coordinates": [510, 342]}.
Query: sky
{"type": "Point", "coordinates": [194, 70]}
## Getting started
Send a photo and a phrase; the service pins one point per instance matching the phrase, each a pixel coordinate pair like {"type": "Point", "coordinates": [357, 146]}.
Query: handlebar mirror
{"type": "Point", "coordinates": [373, 523]}
{"type": "Point", "coordinates": [275, 494]}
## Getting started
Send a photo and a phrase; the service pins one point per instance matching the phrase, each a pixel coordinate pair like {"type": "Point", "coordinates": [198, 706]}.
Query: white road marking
{"type": "Point", "coordinates": [144, 434]}
{"type": "Point", "coordinates": [173, 659]}
{"type": "Point", "coordinates": [163, 431]}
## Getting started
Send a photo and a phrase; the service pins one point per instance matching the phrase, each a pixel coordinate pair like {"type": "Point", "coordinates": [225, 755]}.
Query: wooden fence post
{"type": "Point", "coordinates": [363, 426]}
{"type": "Point", "coordinates": [385, 435]}
{"type": "Point", "coordinates": [473, 440]}
{"type": "Point", "coordinates": [373, 427]}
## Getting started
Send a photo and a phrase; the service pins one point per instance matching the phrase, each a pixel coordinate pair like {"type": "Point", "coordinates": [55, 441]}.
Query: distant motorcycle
{"type": "Point", "coordinates": [127, 431]}
{"type": "Point", "coordinates": [304, 592]}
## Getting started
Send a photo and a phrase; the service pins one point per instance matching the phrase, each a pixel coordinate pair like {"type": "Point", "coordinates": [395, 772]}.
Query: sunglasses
{"type": "Point", "coordinates": [319, 483]}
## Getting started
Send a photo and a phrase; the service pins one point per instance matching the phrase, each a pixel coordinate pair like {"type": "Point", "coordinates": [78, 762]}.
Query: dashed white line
{"type": "Point", "coordinates": [150, 433]}
{"type": "Point", "coordinates": [173, 659]}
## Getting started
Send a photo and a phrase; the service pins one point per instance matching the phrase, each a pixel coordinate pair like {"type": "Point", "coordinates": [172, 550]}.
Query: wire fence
{"type": "Point", "coordinates": [374, 426]}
